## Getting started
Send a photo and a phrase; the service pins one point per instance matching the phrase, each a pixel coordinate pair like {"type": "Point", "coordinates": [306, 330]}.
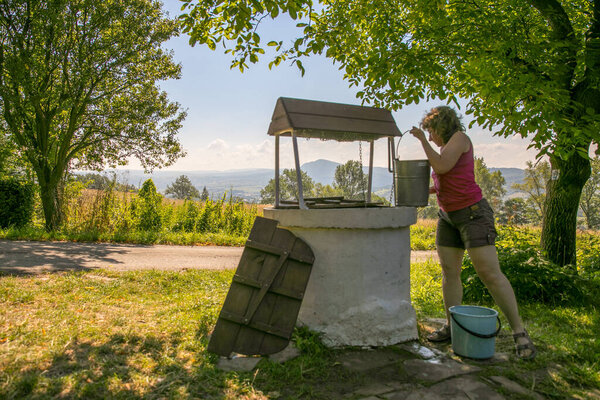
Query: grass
{"type": "Point", "coordinates": [124, 236]}
{"type": "Point", "coordinates": [143, 334]}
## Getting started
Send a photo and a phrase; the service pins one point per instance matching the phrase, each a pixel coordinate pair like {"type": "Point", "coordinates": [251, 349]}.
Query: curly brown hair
{"type": "Point", "coordinates": [444, 121]}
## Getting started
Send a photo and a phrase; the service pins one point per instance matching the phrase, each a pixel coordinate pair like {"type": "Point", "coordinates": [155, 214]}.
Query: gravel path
{"type": "Point", "coordinates": [17, 257]}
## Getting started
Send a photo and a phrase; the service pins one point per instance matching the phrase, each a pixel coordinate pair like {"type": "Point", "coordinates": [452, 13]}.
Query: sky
{"type": "Point", "coordinates": [229, 112]}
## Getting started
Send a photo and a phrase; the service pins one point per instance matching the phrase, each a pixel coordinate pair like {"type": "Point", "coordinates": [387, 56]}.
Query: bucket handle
{"type": "Point", "coordinates": [479, 335]}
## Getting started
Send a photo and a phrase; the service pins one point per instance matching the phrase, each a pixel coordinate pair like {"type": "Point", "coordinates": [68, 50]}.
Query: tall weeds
{"type": "Point", "coordinates": [147, 217]}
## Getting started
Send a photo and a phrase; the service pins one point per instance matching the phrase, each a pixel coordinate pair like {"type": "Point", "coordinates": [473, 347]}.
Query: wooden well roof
{"type": "Point", "coordinates": [324, 120]}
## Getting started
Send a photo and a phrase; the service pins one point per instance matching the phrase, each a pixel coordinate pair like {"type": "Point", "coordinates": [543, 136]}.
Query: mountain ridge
{"type": "Point", "coordinates": [246, 183]}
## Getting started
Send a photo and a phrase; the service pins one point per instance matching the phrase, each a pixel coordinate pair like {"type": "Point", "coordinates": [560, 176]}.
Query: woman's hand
{"type": "Point", "coordinates": [418, 133]}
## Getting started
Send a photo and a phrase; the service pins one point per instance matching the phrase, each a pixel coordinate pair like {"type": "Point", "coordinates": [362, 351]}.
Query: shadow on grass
{"type": "Point", "coordinates": [125, 367]}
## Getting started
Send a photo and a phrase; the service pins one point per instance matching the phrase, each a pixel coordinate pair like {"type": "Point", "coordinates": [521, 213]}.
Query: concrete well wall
{"type": "Point", "coordinates": [358, 293]}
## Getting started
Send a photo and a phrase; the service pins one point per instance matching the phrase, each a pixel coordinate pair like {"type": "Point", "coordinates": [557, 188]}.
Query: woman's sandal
{"type": "Point", "coordinates": [520, 348]}
{"type": "Point", "coordinates": [441, 335]}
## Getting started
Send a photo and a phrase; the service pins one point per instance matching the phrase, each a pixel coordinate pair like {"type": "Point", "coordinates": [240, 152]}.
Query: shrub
{"type": "Point", "coordinates": [16, 202]}
{"type": "Point", "coordinates": [533, 278]}
{"type": "Point", "coordinates": [146, 208]}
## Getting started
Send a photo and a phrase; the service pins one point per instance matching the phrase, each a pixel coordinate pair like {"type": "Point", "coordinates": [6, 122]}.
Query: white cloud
{"type": "Point", "coordinates": [218, 145]}
{"type": "Point", "coordinates": [511, 152]}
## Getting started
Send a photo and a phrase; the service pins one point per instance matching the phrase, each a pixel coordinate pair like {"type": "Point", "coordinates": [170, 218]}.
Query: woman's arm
{"type": "Point", "coordinates": [450, 153]}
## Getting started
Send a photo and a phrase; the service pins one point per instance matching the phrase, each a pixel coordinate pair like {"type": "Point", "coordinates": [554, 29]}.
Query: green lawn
{"type": "Point", "coordinates": [143, 334]}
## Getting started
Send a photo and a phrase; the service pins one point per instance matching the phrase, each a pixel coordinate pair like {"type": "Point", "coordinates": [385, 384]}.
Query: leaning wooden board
{"type": "Point", "coordinates": [262, 305]}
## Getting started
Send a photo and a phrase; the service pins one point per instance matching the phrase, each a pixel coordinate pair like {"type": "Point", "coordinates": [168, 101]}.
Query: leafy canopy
{"type": "Point", "coordinates": [527, 67]}
{"type": "Point", "coordinates": [78, 82]}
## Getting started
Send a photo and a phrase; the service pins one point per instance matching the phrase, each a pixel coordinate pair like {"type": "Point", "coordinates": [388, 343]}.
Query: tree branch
{"type": "Point", "coordinates": [553, 12]}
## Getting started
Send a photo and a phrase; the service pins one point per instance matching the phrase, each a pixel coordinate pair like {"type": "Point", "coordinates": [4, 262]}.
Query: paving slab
{"type": "Point", "coordinates": [289, 353]}
{"type": "Point", "coordinates": [238, 363]}
{"type": "Point", "coordinates": [437, 370]}
{"type": "Point", "coordinates": [514, 387]}
{"type": "Point", "coordinates": [365, 360]}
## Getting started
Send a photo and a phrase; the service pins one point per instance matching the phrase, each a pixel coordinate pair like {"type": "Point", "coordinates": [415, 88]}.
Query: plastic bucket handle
{"type": "Point", "coordinates": [479, 335]}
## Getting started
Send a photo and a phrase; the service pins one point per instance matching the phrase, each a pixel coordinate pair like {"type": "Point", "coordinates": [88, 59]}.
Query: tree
{"type": "Point", "coordinates": [590, 198]}
{"type": "Point", "coordinates": [78, 87]}
{"type": "Point", "coordinates": [513, 212]}
{"type": "Point", "coordinates": [534, 184]}
{"type": "Point", "coordinates": [350, 180]}
{"type": "Point", "coordinates": [526, 67]}
{"type": "Point", "coordinates": [491, 183]}
{"type": "Point", "coordinates": [102, 182]}
{"type": "Point", "coordinates": [288, 187]}
{"type": "Point", "coordinates": [204, 195]}
{"type": "Point", "coordinates": [321, 190]}
{"type": "Point", "coordinates": [182, 188]}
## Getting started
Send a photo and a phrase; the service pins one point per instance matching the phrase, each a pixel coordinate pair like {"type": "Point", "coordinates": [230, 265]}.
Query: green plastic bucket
{"type": "Point", "coordinates": [474, 331]}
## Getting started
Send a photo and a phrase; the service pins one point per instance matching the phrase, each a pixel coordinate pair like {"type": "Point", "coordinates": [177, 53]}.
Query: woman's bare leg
{"type": "Point", "coordinates": [451, 262]}
{"type": "Point", "coordinates": [485, 261]}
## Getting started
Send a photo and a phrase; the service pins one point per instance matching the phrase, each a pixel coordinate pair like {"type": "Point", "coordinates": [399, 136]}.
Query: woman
{"type": "Point", "coordinates": [465, 221]}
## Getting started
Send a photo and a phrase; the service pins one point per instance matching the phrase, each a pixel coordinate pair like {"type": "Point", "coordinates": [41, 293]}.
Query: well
{"type": "Point", "coordinates": [359, 289]}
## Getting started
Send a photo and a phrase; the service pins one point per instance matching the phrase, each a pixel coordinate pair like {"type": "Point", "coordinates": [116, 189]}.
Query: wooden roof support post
{"type": "Point", "coordinates": [392, 165]}
{"type": "Point", "coordinates": [371, 152]}
{"type": "Point", "coordinates": [276, 171]}
{"type": "Point", "coordinates": [301, 204]}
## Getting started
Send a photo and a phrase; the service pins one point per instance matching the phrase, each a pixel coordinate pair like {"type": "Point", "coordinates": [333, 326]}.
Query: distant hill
{"type": "Point", "coordinates": [511, 176]}
{"type": "Point", "coordinates": [247, 183]}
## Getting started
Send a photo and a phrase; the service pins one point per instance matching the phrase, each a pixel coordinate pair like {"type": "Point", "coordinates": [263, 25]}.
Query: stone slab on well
{"type": "Point", "coordinates": [359, 290]}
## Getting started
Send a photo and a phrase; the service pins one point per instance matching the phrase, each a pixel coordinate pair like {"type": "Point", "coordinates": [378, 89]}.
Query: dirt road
{"type": "Point", "coordinates": [17, 257]}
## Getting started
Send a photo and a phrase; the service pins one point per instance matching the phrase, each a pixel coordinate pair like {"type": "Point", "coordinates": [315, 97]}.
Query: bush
{"type": "Point", "coordinates": [533, 278]}
{"type": "Point", "coordinates": [16, 202]}
{"type": "Point", "coordinates": [146, 208]}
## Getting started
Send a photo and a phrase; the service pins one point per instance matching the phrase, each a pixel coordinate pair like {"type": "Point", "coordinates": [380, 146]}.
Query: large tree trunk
{"type": "Point", "coordinates": [51, 196]}
{"type": "Point", "coordinates": [563, 193]}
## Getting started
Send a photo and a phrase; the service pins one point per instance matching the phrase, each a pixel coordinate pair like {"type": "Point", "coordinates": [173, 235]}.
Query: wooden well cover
{"type": "Point", "coordinates": [324, 120]}
{"type": "Point", "coordinates": [262, 305]}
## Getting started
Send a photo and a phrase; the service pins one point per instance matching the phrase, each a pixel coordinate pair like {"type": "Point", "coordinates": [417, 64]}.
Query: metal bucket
{"type": "Point", "coordinates": [411, 182]}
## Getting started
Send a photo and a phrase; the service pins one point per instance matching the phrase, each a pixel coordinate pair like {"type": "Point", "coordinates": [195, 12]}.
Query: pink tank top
{"type": "Point", "coordinates": [456, 189]}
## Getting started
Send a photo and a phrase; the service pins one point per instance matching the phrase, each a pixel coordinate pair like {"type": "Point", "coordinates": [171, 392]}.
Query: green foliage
{"type": "Point", "coordinates": [514, 212]}
{"type": "Point", "coordinates": [491, 184]}
{"type": "Point", "coordinates": [146, 208]}
{"type": "Point", "coordinates": [79, 87]}
{"type": "Point", "coordinates": [422, 235]}
{"type": "Point", "coordinates": [431, 210]}
{"type": "Point", "coordinates": [350, 180]}
{"type": "Point", "coordinates": [534, 279]}
{"type": "Point", "coordinates": [110, 215]}
{"type": "Point", "coordinates": [528, 68]}
{"type": "Point", "coordinates": [182, 188]}
{"type": "Point", "coordinates": [288, 187]}
{"type": "Point", "coordinates": [102, 182]}
{"type": "Point", "coordinates": [534, 184]}
{"type": "Point", "coordinates": [590, 197]}
{"type": "Point", "coordinates": [588, 254]}
{"type": "Point", "coordinates": [426, 289]}
{"type": "Point", "coordinates": [16, 202]}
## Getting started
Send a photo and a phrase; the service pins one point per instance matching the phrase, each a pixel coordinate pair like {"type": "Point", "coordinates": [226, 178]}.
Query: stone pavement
{"type": "Point", "coordinates": [411, 371]}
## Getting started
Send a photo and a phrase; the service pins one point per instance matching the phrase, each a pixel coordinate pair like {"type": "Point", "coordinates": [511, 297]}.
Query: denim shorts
{"type": "Point", "coordinates": [471, 226]}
